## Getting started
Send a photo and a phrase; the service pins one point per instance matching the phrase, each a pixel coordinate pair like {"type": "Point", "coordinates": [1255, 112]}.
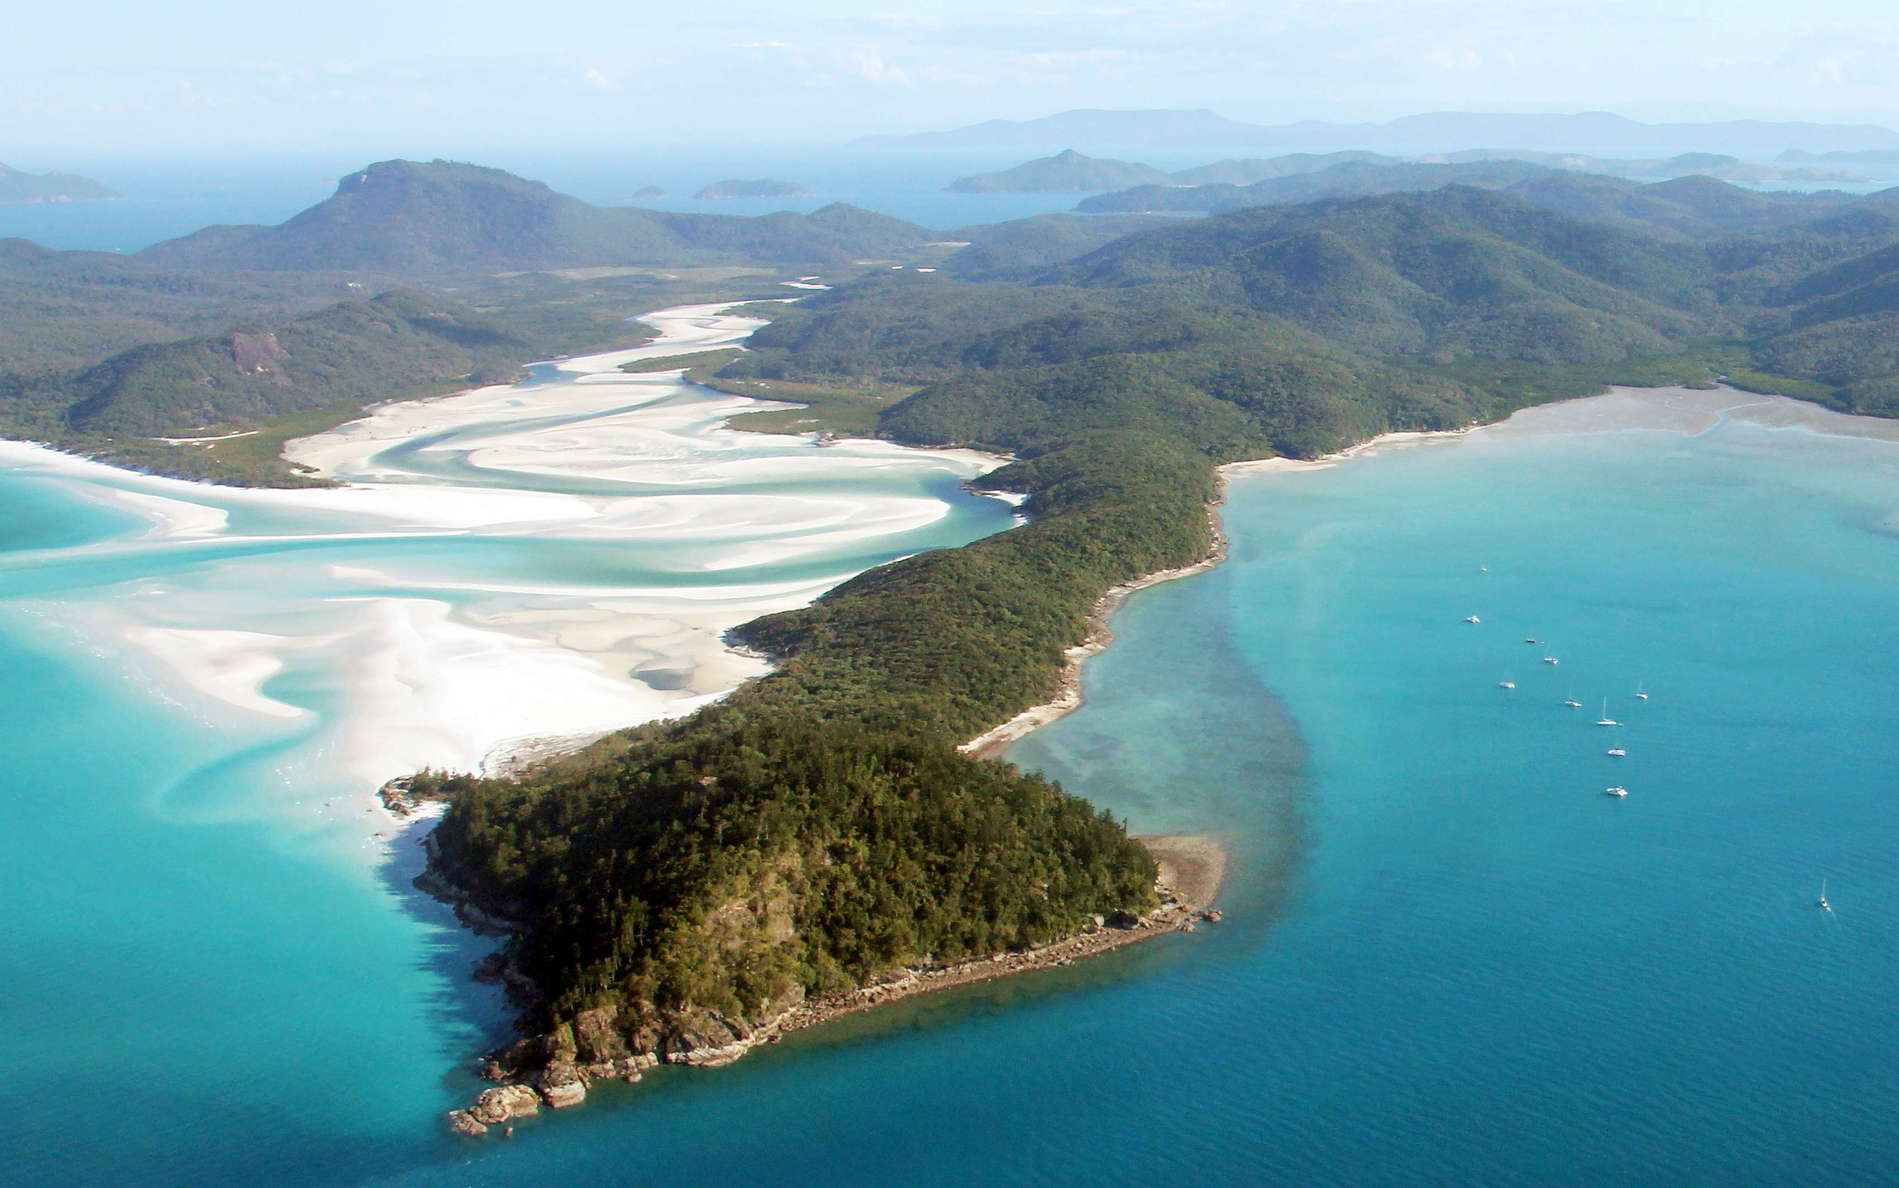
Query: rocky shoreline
{"type": "Point", "coordinates": [556, 1070]}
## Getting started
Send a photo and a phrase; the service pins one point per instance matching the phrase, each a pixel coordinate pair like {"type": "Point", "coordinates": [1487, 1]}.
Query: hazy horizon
{"type": "Point", "coordinates": [433, 79]}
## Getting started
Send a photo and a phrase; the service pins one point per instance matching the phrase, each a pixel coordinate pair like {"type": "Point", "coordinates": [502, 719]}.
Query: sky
{"type": "Point", "coordinates": [424, 77]}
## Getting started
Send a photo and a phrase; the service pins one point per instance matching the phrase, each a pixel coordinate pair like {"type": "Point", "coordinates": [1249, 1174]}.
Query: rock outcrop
{"type": "Point", "coordinates": [505, 1102]}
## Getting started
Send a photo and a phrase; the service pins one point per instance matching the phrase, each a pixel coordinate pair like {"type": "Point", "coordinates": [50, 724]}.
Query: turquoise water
{"type": "Point", "coordinates": [1447, 958]}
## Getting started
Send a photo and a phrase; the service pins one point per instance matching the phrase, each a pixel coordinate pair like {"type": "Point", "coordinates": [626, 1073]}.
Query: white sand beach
{"type": "Point", "coordinates": [454, 670]}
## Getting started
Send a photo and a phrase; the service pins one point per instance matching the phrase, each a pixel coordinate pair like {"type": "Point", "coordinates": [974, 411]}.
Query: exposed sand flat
{"type": "Point", "coordinates": [176, 519]}
{"type": "Point", "coordinates": [445, 665]}
{"type": "Point", "coordinates": [230, 666]}
{"type": "Point", "coordinates": [1672, 410]}
{"type": "Point", "coordinates": [427, 690]}
{"type": "Point", "coordinates": [187, 508]}
{"type": "Point", "coordinates": [1666, 410]}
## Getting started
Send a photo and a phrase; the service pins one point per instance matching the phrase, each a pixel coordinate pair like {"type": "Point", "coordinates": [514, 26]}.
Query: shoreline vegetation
{"type": "Point", "coordinates": [1190, 869]}
{"type": "Point", "coordinates": [1119, 418]}
{"type": "Point", "coordinates": [557, 1069]}
{"type": "Point", "coordinates": [996, 741]}
{"type": "Point", "coordinates": [674, 888]}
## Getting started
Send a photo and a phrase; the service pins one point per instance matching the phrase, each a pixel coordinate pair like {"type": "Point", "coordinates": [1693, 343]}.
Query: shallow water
{"type": "Point", "coordinates": [214, 958]}
{"type": "Point", "coordinates": [1447, 956]}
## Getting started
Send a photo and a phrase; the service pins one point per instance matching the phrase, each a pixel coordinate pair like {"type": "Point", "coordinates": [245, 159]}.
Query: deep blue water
{"type": "Point", "coordinates": [1447, 957]}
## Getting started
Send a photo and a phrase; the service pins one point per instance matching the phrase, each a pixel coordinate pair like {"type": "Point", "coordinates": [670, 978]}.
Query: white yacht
{"type": "Point", "coordinates": [1823, 905]}
{"type": "Point", "coordinates": [1618, 752]}
{"type": "Point", "coordinates": [1506, 683]}
{"type": "Point", "coordinates": [1639, 695]}
{"type": "Point", "coordinates": [1572, 703]}
{"type": "Point", "coordinates": [1606, 720]}
{"type": "Point", "coordinates": [1617, 791]}
{"type": "Point", "coordinates": [1551, 660]}
{"type": "Point", "coordinates": [1472, 619]}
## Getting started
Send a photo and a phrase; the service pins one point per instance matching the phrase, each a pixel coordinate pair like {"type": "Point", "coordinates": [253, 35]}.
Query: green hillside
{"type": "Point", "coordinates": [68, 309]}
{"type": "Point", "coordinates": [1067, 172]}
{"type": "Point", "coordinates": [442, 217]}
{"type": "Point", "coordinates": [678, 885]}
{"type": "Point", "coordinates": [348, 354]}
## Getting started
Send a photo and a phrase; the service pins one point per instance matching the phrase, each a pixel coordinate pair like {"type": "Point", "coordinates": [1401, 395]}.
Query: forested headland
{"type": "Point", "coordinates": [675, 887]}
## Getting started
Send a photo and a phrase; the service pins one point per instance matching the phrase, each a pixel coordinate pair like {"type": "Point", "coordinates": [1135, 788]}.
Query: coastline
{"type": "Point", "coordinates": [994, 742]}
{"type": "Point", "coordinates": [1191, 870]}
{"type": "Point", "coordinates": [487, 672]}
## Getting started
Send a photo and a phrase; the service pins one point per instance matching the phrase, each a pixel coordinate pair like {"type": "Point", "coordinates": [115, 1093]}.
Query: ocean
{"type": "Point", "coordinates": [1447, 955]}
{"type": "Point", "coordinates": [168, 198]}
{"type": "Point", "coordinates": [165, 199]}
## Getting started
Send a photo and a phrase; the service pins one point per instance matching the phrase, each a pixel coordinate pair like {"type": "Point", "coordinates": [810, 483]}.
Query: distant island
{"type": "Point", "coordinates": [1859, 157]}
{"type": "Point", "coordinates": [1721, 166]}
{"type": "Point", "coordinates": [1175, 131]}
{"type": "Point", "coordinates": [648, 194]}
{"type": "Point", "coordinates": [759, 187]}
{"type": "Point", "coordinates": [1066, 172]}
{"type": "Point", "coordinates": [24, 189]}
{"type": "Point", "coordinates": [1588, 186]}
{"type": "Point", "coordinates": [1071, 172]}
{"type": "Point", "coordinates": [264, 331]}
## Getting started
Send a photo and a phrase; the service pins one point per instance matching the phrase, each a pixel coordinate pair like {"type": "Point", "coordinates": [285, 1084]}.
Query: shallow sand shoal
{"type": "Point", "coordinates": [1193, 864]}
{"type": "Point", "coordinates": [434, 669]}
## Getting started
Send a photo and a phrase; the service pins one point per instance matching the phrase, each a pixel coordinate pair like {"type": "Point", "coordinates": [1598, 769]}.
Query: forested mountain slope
{"type": "Point", "coordinates": [424, 218]}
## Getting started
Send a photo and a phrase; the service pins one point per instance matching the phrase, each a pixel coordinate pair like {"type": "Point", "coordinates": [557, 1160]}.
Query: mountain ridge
{"type": "Point", "coordinates": [1106, 132]}
{"type": "Point", "coordinates": [439, 217]}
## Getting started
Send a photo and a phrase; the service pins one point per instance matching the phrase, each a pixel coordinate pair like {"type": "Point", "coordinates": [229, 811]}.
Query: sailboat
{"type": "Point", "coordinates": [1606, 720]}
{"type": "Point", "coordinates": [1571, 702]}
{"type": "Point", "coordinates": [1620, 752]}
{"type": "Point", "coordinates": [1823, 904]}
{"type": "Point", "coordinates": [1472, 619]}
{"type": "Point", "coordinates": [1506, 683]}
{"type": "Point", "coordinates": [1617, 791]}
{"type": "Point", "coordinates": [1639, 695]}
{"type": "Point", "coordinates": [1551, 660]}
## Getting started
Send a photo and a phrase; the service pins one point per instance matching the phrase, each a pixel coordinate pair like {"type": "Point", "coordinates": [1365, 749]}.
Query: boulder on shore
{"type": "Point", "coordinates": [463, 1122]}
{"type": "Point", "coordinates": [561, 1085]}
{"type": "Point", "coordinates": [505, 1102]}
